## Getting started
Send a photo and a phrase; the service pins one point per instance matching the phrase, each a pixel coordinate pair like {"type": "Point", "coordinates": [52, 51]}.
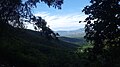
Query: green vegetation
{"type": "Point", "coordinates": [26, 48]}
{"type": "Point", "coordinates": [74, 36]}
{"type": "Point", "coordinates": [103, 32]}
{"type": "Point", "coordinates": [75, 40]}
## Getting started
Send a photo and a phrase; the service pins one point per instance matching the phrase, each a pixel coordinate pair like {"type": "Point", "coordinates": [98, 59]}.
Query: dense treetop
{"type": "Point", "coordinates": [103, 28]}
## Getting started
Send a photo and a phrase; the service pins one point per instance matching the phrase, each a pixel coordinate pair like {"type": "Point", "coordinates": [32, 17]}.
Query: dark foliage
{"type": "Point", "coordinates": [16, 12]}
{"type": "Point", "coordinates": [41, 26]}
{"type": "Point", "coordinates": [103, 30]}
{"type": "Point", "coordinates": [26, 48]}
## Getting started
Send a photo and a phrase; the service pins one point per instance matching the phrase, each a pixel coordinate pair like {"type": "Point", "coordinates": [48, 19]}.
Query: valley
{"type": "Point", "coordinates": [74, 36]}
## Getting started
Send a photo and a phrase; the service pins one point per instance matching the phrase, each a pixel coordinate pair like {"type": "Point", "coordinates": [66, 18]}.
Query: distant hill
{"type": "Point", "coordinates": [74, 33]}
{"type": "Point", "coordinates": [26, 48]}
{"type": "Point", "coordinates": [74, 36]}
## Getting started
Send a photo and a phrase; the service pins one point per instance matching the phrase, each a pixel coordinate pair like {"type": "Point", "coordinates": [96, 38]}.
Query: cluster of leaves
{"type": "Point", "coordinates": [54, 3]}
{"type": "Point", "coordinates": [8, 11]}
{"type": "Point", "coordinates": [103, 28]}
{"type": "Point", "coordinates": [41, 26]}
{"type": "Point", "coordinates": [16, 12]}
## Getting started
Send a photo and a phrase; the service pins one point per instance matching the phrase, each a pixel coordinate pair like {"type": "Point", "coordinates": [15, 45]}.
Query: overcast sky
{"type": "Point", "coordinates": [65, 19]}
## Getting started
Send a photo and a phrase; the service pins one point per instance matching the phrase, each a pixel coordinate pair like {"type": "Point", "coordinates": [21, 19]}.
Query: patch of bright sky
{"type": "Point", "coordinates": [65, 19]}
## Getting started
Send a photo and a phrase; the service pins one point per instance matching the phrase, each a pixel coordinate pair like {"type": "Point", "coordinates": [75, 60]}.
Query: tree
{"type": "Point", "coordinates": [103, 28]}
{"type": "Point", "coordinates": [16, 12]}
{"type": "Point", "coordinates": [41, 26]}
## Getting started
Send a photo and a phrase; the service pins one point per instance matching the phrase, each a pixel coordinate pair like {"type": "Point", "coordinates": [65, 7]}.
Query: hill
{"type": "Point", "coordinates": [26, 48]}
{"type": "Point", "coordinates": [74, 40]}
{"type": "Point", "coordinates": [74, 36]}
{"type": "Point", "coordinates": [74, 33]}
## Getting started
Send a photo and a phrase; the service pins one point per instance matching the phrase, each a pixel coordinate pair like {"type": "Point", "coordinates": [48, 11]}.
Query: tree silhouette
{"type": "Point", "coordinates": [16, 12]}
{"type": "Point", "coordinates": [103, 28]}
{"type": "Point", "coordinates": [41, 26]}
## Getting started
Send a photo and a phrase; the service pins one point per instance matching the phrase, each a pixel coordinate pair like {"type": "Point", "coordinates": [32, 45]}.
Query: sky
{"type": "Point", "coordinates": [65, 19]}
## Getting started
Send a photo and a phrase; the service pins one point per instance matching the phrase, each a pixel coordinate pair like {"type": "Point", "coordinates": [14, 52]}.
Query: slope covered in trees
{"type": "Point", "coordinates": [26, 48]}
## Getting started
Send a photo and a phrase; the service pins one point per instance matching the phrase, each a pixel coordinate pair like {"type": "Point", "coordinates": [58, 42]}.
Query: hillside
{"type": "Point", "coordinates": [74, 36]}
{"type": "Point", "coordinates": [74, 40]}
{"type": "Point", "coordinates": [26, 48]}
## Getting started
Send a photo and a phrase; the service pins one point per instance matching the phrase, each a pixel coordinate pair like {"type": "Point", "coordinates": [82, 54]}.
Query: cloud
{"type": "Point", "coordinates": [63, 22]}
